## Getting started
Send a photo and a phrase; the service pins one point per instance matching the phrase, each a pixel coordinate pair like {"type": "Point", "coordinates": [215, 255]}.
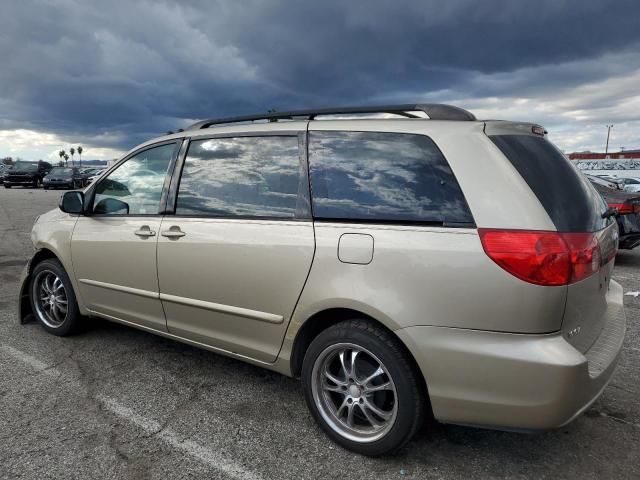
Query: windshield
{"type": "Point", "coordinates": [29, 167]}
{"type": "Point", "coordinates": [61, 171]}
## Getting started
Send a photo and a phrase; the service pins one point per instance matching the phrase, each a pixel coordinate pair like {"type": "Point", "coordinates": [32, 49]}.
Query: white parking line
{"type": "Point", "coordinates": [174, 439]}
{"type": "Point", "coordinates": [29, 360]}
{"type": "Point", "coordinates": [177, 441]}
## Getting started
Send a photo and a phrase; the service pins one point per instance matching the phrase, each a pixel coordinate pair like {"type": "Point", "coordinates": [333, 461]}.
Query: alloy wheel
{"type": "Point", "coordinates": [50, 298]}
{"type": "Point", "coordinates": [354, 392]}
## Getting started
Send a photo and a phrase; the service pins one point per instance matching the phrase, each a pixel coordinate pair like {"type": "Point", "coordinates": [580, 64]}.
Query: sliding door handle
{"type": "Point", "coordinates": [173, 232]}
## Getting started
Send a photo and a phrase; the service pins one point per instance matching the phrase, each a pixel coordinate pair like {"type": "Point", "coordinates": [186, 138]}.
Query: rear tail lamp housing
{"type": "Point", "coordinates": [543, 257]}
{"type": "Point", "coordinates": [625, 208]}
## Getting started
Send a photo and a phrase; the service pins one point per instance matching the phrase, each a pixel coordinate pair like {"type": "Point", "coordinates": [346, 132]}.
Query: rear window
{"type": "Point", "coordinates": [568, 197]}
{"type": "Point", "coordinates": [383, 177]}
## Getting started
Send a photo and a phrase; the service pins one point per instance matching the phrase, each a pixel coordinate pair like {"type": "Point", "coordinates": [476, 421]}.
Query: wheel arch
{"type": "Point", "coordinates": [320, 321]}
{"type": "Point", "coordinates": [25, 312]}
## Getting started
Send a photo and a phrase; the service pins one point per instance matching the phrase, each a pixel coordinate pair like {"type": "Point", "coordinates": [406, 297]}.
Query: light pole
{"type": "Point", "coordinates": [606, 148]}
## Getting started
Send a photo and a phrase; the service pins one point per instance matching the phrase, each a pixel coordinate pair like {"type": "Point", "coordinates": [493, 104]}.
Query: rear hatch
{"type": "Point", "coordinates": [574, 207]}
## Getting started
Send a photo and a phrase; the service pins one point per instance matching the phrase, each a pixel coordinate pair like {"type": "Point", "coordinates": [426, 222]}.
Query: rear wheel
{"type": "Point", "coordinates": [6, 185]}
{"type": "Point", "coordinates": [362, 389]}
{"type": "Point", "coordinates": [52, 298]}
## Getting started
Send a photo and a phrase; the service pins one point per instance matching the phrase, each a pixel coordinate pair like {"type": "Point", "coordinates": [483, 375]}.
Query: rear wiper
{"type": "Point", "coordinates": [610, 212]}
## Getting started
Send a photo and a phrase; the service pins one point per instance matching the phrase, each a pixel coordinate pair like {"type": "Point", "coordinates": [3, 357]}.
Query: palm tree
{"type": "Point", "coordinates": [61, 154]}
{"type": "Point", "coordinates": [72, 151]}
{"type": "Point", "coordinates": [79, 149]}
{"type": "Point", "coordinates": [66, 159]}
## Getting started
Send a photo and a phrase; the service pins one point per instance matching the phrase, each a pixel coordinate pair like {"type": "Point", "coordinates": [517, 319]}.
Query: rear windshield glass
{"type": "Point", "coordinates": [571, 202]}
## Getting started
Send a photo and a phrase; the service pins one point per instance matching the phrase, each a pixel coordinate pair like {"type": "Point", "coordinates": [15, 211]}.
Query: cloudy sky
{"type": "Point", "coordinates": [110, 74]}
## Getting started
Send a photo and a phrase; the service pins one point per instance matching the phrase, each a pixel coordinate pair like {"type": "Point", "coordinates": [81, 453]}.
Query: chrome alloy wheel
{"type": "Point", "coordinates": [354, 392]}
{"type": "Point", "coordinates": [49, 298]}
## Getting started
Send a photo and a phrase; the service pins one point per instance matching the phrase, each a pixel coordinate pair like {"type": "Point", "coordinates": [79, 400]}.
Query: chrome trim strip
{"type": "Point", "coordinates": [228, 309]}
{"type": "Point", "coordinates": [190, 302]}
{"type": "Point", "coordinates": [120, 288]}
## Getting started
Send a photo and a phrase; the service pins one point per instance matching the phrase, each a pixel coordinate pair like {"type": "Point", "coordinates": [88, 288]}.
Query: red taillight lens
{"type": "Point", "coordinates": [543, 258]}
{"type": "Point", "coordinates": [624, 208]}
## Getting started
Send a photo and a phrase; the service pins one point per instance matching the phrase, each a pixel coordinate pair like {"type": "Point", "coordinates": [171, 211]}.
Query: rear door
{"type": "Point", "coordinates": [114, 248]}
{"type": "Point", "coordinates": [573, 205]}
{"type": "Point", "coordinates": [234, 258]}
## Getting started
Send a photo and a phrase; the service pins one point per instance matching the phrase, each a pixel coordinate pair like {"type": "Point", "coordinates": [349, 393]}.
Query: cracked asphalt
{"type": "Point", "coordinates": [114, 402]}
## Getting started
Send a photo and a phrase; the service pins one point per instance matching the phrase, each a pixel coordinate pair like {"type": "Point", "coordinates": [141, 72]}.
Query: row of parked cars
{"type": "Point", "coordinates": [43, 174]}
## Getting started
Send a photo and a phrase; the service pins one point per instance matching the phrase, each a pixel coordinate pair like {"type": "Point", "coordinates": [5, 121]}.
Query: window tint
{"type": "Point", "coordinates": [383, 177]}
{"type": "Point", "coordinates": [568, 197]}
{"type": "Point", "coordinates": [135, 187]}
{"type": "Point", "coordinates": [243, 177]}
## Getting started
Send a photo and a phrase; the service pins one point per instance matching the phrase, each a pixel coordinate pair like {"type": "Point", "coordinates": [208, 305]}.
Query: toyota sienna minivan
{"type": "Point", "coordinates": [401, 266]}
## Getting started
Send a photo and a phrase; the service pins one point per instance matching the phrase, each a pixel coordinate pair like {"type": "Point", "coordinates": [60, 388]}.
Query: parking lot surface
{"type": "Point", "coordinates": [114, 402]}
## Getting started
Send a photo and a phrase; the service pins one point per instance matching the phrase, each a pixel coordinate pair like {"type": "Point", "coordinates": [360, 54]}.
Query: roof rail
{"type": "Point", "coordinates": [435, 111]}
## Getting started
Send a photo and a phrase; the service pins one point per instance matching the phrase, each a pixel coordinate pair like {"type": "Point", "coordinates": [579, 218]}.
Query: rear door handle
{"type": "Point", "coordinates": [173, 232]}
{"type": "Point", "coordinates": [145, 232]}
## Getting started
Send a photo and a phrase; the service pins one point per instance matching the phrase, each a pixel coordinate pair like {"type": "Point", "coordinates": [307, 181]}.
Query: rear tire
{"type": "Point", "coordinates": [362, 389]}
{"type": "Point", "coordinates": [6, 185]}
{"type": "Point", "coordinates": [53, 300]}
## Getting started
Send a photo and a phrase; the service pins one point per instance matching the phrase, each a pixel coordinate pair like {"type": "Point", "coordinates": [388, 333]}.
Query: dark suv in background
{"type": "Point", "coordinates": [27, 174]}
{"type": "Point", "coordinates": [63, 177]}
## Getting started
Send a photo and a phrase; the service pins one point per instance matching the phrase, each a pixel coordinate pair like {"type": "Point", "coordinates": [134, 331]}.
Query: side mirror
{"type": "Point", "coordinates": [71, 202]}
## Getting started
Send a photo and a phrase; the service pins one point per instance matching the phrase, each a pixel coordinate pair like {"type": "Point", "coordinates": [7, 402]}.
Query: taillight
{"type": "Point", "coordinates": [541, 257]}
{"type": "Point", "coordinates": [625, 208]}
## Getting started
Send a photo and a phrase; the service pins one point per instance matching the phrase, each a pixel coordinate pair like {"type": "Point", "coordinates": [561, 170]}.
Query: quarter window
{"type": "Point", "coordinates": [135, 187]}
{"type": "Point", "coordinates": [383, 177]}
{"type": "Point", "coordinates": [259, 177]}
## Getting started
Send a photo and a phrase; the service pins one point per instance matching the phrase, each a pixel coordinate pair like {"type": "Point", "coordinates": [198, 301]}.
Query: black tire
{"type": "Point", "coordinates": [410, 394]}
{"type": "Point", "coordinates": [72, 316]}
{"type": "Point", "coordinates": [6, 185]}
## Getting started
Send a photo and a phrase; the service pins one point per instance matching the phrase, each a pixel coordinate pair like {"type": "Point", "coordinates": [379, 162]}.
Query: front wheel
{"type": "Point", "coordinates": [362, 389]}
{"type": "Point", "coordinates": [52, 298]}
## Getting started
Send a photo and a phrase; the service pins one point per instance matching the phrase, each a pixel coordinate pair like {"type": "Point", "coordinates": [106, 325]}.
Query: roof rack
{"type": "Point", "coordinates": [435, 111]}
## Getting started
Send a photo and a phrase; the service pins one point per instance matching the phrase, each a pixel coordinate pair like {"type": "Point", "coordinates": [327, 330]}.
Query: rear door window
{"type": "Point", "coordinates": [383, 177]}
{"type": "Point", "coordinates": [247, 177]}
{"type": "Point", "coordinates": [568, 197]}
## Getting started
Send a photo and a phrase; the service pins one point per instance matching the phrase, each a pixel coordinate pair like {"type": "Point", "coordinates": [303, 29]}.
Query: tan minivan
{"type": "Point", "coordinates": [402, 267]}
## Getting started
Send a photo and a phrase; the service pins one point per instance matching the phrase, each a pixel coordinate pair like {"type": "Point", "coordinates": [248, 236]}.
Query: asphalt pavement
{"type": "Point", "coordinates": [114, 402]}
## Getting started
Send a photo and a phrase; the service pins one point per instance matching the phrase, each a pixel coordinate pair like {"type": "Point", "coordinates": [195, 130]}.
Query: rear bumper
{"type": "Point", "coordinates": [627, 242]}
{"type": "Point", "coordinates": [515, 381]}
{"type": "Point", "coordinates": [21, 181]}
{"type": "Point", "coordinates": [57, 184]}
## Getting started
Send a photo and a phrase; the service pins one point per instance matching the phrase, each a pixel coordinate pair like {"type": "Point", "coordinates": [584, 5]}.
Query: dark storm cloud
{"type": "Point", "coordinates": [118, 72]}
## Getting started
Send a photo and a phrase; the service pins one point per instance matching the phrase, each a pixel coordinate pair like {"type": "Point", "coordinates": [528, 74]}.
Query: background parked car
{"type": "Point", "coordinates": [87, 173]}
{"type": "Point", "coordinates": [605, 182]}
{"type": "Point", "coordinates": [95, 174]}
{"type": "Point", "coordinates": [27, 174]}
{"type": "Point", "coordinates": [3, 171]}
{"type": "Point", "coordinates": [63, 177]}
{"type": "Point", "coordinates": [628, 218]}
{"type": "Point", "coordinates": [631, 184]}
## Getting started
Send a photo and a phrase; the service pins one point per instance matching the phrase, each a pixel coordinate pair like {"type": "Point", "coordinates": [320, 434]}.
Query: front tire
{"type": "Point", "coordinates": [53, 300]}
{"type": "Point", "coordinates": [362, 389]}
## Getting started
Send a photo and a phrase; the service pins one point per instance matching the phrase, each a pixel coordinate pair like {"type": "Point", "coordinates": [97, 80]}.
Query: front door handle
{"type": "Point", "coordinates": [145, 232]}
{"type": "Point", "coordinates": [173, 232]}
